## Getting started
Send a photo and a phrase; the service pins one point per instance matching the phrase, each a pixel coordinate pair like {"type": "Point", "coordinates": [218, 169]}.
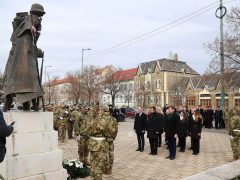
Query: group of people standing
{"type": "Point", "coordinates": [95, 130]}
{"type": "Point", "coordinates": [173, 123]}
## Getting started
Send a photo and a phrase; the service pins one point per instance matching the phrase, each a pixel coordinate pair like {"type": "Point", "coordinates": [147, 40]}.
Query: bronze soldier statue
{"type": "Point", "coordinates": [21, 77]}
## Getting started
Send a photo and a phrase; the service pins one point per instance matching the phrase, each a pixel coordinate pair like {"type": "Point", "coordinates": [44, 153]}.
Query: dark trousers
{"type": "Point", "coordinates": [182, 143]}
{"type": "Point", "coordinates": [141, 142]}
{"type": "Point", "coordinates": [217, 124]}
{"type": "Point", "coordinates": [153, 145]}
{"type": "Point", "coordinates": [159, 139]}
{"type": "Point", "coordinates": [196, 145]}
{"type": "Point", "coordinates": [172, 146]}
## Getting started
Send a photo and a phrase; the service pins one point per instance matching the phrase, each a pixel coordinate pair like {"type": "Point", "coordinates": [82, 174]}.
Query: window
{"type": "Point", "coordinates": [130, 86]}
{"type": "Point", "coordinates": [205, 102]}
{"type": "Point", "coordinates": [190, 101]}
{"type": "Point", "coordinates": [218, 102]}
{"type": "Point", "coordinates": [149, 99]}
{"type": "Point", "coordinates": [157, 84]}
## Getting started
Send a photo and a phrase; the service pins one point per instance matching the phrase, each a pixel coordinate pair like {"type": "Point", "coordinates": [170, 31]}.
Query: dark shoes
{"type": "Point", "coordinates": [194, 153]}
{"type": "Point", "coordinates": [182, 150]}
{"type": "Point", "coordinates": [170, 157]}
{"type": "Point", "coordinates": [139, 149]}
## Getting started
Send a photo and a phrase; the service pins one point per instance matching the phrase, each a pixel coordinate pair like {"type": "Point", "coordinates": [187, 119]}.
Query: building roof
{"type": "Point", "coordinates": [126, 75]}
{"type": "Point", "coordinates": [167, 65]}
{"type": "Point", "coordinates": [210, 82]}
{"type": "Point", "coordinates": [61, 81]}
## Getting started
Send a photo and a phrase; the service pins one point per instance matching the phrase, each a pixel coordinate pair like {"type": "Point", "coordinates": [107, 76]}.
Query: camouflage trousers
{"type": "Point", "coordinates": [62, 131]}
{"type": "Point", "coordinates": [97, 158]}
{"type": "Point", "coordinates": [70, 129]}
{"type": "Point", "coordinates": [109, 156]}
{"type": "Point", "coordinates": [83, 149]}
{"type": "Point", "coordinates": [235, 144]}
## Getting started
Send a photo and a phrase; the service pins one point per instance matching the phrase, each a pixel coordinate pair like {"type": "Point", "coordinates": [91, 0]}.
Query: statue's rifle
{"type": "Point", "coordinates": [39, 77]}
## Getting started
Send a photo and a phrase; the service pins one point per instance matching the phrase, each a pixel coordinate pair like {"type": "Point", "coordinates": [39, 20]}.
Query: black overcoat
{"type": "Point", "coordinates": [140, 123]}
{"type": "Point", "coordinates": [4, 132]}
{"type": "Point", "coordinates": [153, 126]}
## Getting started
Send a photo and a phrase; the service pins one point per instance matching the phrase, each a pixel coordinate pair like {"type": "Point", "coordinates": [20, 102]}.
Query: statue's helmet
{"type": "Point", "coordinates": [37, 9]}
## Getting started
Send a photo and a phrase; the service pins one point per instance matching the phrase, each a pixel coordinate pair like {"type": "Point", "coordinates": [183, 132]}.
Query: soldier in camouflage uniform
{"type": "Point", "coordinates": [228, 113]}
{"type": "Point", "coordinates": [83, 139]}
{"type": "Point", "coordinates": [111, 133]}
{"type": "Point", "coordinates": [234, 132]}
{"type": "Point", "coordinates": [96, 128]}
{"type": "Point", "coordinates": [61, 117]}
{"type": "Point", "coordinates": [70, 123]}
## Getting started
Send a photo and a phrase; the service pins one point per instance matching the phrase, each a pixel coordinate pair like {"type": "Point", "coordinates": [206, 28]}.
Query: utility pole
{"type": "Point", "coordinates": [223, 11]}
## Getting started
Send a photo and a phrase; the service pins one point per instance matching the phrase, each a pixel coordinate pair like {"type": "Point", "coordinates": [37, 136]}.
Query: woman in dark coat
{"type": "Point", "coordinates": [4, 132]}
{"type": "Point", "coordinates": [153, 130]}
{"type": "Point", "coordinates": [182, 131]}
{"type": "Point", "coordinates": [195, 131]}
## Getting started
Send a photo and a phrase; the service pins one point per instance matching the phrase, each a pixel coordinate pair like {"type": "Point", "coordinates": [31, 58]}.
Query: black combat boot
{"type": "Point", "coordinates": [26, 106]}
{"type": "Point", "coordinates": [35, 104]}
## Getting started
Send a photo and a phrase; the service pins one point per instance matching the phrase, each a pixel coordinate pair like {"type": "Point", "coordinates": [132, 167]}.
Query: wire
{"type": "Point", "coordinates": [140, 36]}
{"type": "Point", "coordinates": [151, 33]}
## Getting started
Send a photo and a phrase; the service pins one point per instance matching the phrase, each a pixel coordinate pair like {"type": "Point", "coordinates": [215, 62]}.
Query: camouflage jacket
{"type": "Point", "coordinates": [112, 127]}
{"type": "Point", "coordinates": [234, 125]}
{"type": "Point", "coordinates": [79, 123]}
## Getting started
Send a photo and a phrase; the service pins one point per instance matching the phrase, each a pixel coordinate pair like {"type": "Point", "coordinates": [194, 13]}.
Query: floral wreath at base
{"type": "Point", "coordinates": [76, 169]}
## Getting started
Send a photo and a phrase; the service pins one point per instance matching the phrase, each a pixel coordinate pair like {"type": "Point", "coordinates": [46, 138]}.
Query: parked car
{"type": "Point", "coordinates": [130, 112]}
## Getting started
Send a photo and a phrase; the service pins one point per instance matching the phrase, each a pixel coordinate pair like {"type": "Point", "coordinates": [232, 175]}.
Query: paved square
{"type": "Point", "coordinates": [129, 164]}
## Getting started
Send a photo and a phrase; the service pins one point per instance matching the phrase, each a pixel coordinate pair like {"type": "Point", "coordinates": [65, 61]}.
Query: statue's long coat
{"type": "Point", "coordinates": [21, 76]}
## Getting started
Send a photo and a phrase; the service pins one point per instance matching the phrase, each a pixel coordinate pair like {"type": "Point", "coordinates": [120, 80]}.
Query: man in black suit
{"type": "Point", "coordinates": [4, 132]}
{"type": "Point", "coordinates": [140, 125]}
{"type": "Point", "coordinates": [171, 130]}
{"type": "Point", "coordinates": [218, 117]}
{"type": "Point", "coordinates": [153, 130]}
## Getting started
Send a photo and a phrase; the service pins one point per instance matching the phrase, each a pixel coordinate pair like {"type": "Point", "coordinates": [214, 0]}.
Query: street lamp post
{"type": "Point", "coordinates": [81, 97]}
{"type": "Point", "coordinates": [223, 11]}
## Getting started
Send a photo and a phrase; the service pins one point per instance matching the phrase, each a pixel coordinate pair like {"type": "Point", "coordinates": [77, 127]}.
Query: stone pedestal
{"type": "Point", "coordinates": [32, 149]}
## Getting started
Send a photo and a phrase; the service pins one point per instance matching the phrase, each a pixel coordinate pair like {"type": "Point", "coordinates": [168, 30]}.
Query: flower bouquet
{"type": "Point", "coordinates": [76, 169]}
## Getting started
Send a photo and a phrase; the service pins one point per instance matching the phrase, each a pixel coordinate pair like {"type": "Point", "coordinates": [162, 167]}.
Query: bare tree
{"type": "Point", "coordinates": [231, 48]}
{"type": "Point", "coordinates": [141, 93]}
{"type": "Point", "coordinates": [111, 84]}
{"type": "Point", "coordinates": [50, 88]}
{"type": "Point", "coordinates": [74, 86]}
{"type": "Point", "coordinates": [90, 83]}
{"type": "Point", "coordinates": [1, 80]}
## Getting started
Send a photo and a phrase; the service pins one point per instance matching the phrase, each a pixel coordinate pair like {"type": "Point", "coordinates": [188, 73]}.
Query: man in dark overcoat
{"type": "Point", "coordinates": [140, 126]}
{"type": "Point", "coordinates": [171, 130]}
{"type": "Point", "coordinates": [153, 130]}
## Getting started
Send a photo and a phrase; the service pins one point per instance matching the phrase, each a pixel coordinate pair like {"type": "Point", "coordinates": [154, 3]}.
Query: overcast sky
{"type": "Point", "coordinates": [69, 26]}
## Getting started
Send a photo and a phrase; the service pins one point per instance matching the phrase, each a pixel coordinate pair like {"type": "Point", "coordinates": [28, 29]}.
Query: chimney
{"type": "Point", "coordinates": [175, 57]}
{"type": "Point", "coordinates": [170, 55]}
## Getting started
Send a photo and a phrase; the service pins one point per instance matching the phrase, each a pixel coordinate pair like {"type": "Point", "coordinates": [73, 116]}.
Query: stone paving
{"type": "Point", "coordinates": [129, 164]}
